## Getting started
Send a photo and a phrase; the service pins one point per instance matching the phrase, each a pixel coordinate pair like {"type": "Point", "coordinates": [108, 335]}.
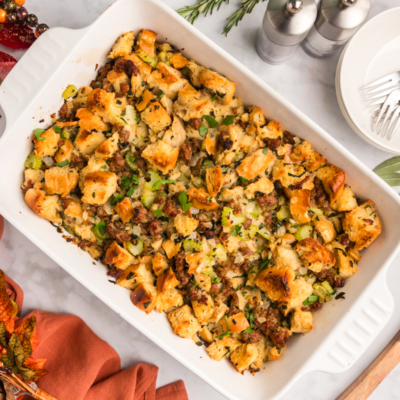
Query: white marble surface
{"type": "Point", "coordinates": [306, 82]}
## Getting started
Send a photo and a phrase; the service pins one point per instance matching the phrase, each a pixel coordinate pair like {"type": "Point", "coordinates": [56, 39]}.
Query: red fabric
{"type": "Point", "coordinates": [82, 366]}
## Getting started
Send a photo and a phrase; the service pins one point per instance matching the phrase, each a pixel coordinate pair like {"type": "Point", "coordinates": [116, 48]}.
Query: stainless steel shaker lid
{"type": "Point", "coordinates": [340, 19]}
{"type": "Point", "coordinates": [287, 22]}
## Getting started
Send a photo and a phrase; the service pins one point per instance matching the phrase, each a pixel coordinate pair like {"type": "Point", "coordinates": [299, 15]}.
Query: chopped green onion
{"type": "Point", "coordinates": [310, 299]}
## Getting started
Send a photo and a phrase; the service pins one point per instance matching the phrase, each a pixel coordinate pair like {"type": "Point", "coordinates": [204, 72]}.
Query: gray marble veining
{"type": "Point", "coordinates": [310, 85]}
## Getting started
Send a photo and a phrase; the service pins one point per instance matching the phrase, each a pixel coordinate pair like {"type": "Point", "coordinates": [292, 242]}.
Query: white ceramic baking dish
{"type": "Point", "coordinates": [343, 330]}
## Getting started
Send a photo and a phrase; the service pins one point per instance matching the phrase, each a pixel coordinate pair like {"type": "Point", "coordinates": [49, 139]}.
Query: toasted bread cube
{"type": "Point", "coordinates": [263, 185]}
{"type": "Point", "coordinates": [138, 80]}
{"type": "Point", "coordinates": [276, 353]}
{"type": "Point", "coordinates": [135, 275]}
{"type": "Point", "coordinates": [301, 321]}
{"type": "Point", "coordinates": [60, 180]}
{"type": "Point", "coordinates": [299, 204]}
{"type": "Point", "coordinates": [117, 79]}
{"type": "Point", "coordinates": [286, 256]}
{"type": "Point", "coordinates": [289, 174]}
{"type": "Point", "coordinates": [196, 262]}
{"type": "Point", "coordinates": [87, 142]}
{"type": "Point", "coordinates": [304, 153]}
{"type": "Point", "coordinates": [123, 46]}
{"type": "Point", "coordinates": [194, 72]}
{"type": "Point", "coordinates": [362, 225]}
{"type": "Point", "coordinates": [48, 143]}
{"type": "Point", "coordinates": [176, 136]}
{"type": "Point", "coordinates": [301, 290]}
{"type": "Point", "coordinates": [81, 99]}
{"type": "Point", "coordinates": [160, 264]}
{"type": "Point", "coordinates": [206, 335]}
{"type": "Point", "coordinates": [146, 42]}
{"type": "Point", "coordinates": [237, 323]}
{"type": "Point", "coordinates": [325, 229]}
{"type": "Point", "coordinates": [220, 310]}
{"type": "Point", "coordinates": [166, 281]}
{"type": "Point", "coordinates": [222, 87]}
{"type": "Point", "coordinates": [191, 103]}
{"type": "Point", "coordinates": [255, 164]}
{"type": "Point", "coordinates": [64, 152]}
{"type": "Point", "coordinates": [98, 187]}
{"type": "Point", "coordinates": [94, 164]}
{"type": "Point", "coordinates": [171, 248]}
{"type": "Point", "coordinates": [256, 116]}
{"type": "Point", "coordinates": [262, 354]}
{"type": "Point", "coordinates": [47, 207]}
{"type": "Point", "coordinates": [105, 105]}
{"type": "Point", "coordinates": [203, 281]}
{"type": "Point", "coordinates": [245, 355]}
{"type": "Point", "coordinates": [273, 130]}
{"type": "Point", "coordinates": [346, 265]}
{"type": "Point", "coordinates": [231, 243]}
{"type": "Point", "coordinates": [185, 225]}
{"type": "Point", "coordinates": [108, 148]}
{"type": "Point", "coordinates": [333, 179]}
{"type": "Point", "coordinates": [204, 310]}
{"type": "Point", "coordinates": [32, 176]}
{"type": "Point", "coordinates": [85, 232]}
{"type": "Point", "coordinates": [346, 201]}
{"type": "Point", "coordinates": [118, 257]}
{"type": "Point", "coordinates": [178, 61]}
{"type": "Point", "coordinates": [183, 322]}
{"type": "Point", "coordinates": [161, 156]}
{"type": "Point", "coordinates": [168, 301]}
{"type": "Point", "coordinates": [214, 180]}
{"type": "Point", "coordinates": [144, 297]}
{"type": "Point", "coordinates": [314, 255]}
{"type": "Point", "coordinates": [221, 348]}
{"type": "Point", "coordinates": [89, 121]}
{"type": "Point", "coordinates": [74, 208]}
{"type": "Point", "coordinates": [156, 117]}
{"type": "Point", "coordinates": [167, 79]}
{"type": "Point", "coordinates": [125, 210]}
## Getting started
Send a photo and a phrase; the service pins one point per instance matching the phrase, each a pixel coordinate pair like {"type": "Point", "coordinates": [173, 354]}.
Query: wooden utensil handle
{"type": "Point", "coordinates": [368, 381]}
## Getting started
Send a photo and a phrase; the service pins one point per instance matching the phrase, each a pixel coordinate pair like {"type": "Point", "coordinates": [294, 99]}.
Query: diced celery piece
{"type": "Point", "coordinates": [99, 231]}
{"type": "Point", "coordinates": [183, 178]}
{"type": "Point", "coordinates": [148, 199]}
{"type": "Point", "coordinates": [264, 233]}
{"type": "Point", "coordinates": [128, 158]}
{"type": "Point", "coordinates": [207, 164]}
{"type": "Point", "coordinates": [283, 213]}
{"type": "Point", "coordinates": [255, 209]}
{"type": "Point", "coordinates": [304, 232]}
{"type": "Point", "coordinates": [220, 253]}
{"type": "Point", "coordinates": [327, 286]}
{"type": "Point", "coordinates": [154, 177]}
{"type": "Point", "coordinates": [163, 57]}
{"type": "Point", "coordinates": [321, 292]}
{"type": "Point", "coordinates": [249, 234]}
{"type": "Point", "coordinates": [33, 162]}
{"type": "Point", "coordinates": [70, 91]}
{"type": "Point", "coordinates": [282, 200]}
{"type": "Point", "coordinates": [135, 249]}
{"type": "Point", "coordinates": [230, 219]}
{"type": "Point", "coordinates": [315, 210]}
{"type": "Point", "coordinates": [129, 118]}
{"type": "Point", "coordinates": [69, 132]}
{"type": "Point", "coordinates": [196, 180]}
{"type": "Point", "coordinates": [147, 59]}
{"type": "Point", "coordinates": [191, 245]}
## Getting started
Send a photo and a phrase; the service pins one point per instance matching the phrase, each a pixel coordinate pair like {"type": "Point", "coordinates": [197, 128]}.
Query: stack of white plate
{"type": "Point", "coordinates": [371, 54]}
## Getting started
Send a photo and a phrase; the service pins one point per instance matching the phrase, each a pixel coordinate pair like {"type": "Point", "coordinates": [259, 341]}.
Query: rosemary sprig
{"type": "Point", "coordinates": [246, 8]}
{"type": "Point", "coordinates": [191, 13]}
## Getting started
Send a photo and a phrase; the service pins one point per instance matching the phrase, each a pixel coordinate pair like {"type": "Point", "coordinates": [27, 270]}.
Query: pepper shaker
{"type": "Point", "coordinates": [337, 22]}
{"type": "Point", "coordinates": [286, 23]}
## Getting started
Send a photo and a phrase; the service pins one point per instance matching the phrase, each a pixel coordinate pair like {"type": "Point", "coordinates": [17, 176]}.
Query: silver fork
{"type": "Point", "coordinates": [389, 115]}
{"type": "Point", "coordinates": [382, 87]}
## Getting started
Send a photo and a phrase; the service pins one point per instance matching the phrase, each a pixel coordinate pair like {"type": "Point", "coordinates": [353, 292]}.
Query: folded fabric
{"type": "Point", "coordinates": [82, 366]}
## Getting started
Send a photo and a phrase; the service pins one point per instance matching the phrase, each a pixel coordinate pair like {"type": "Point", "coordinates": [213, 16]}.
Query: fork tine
{"type": "Point", "coordinates": [380, 94]}
{"type": "Point", "coordinates": [391, 84]}
{"type": "Point", "coordinates": [395, 125]}
{"type": "Point", "coordinates": [381, 112]}
{"type": "Point", "coordinates": [386, 119]}
{"type": "Point", "coordinates": [394, 75]}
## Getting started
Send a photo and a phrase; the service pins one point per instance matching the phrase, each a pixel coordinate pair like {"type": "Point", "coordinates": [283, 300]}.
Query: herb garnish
{"type": "Point", "coordinates": [228, 120]}
{"type": "Point", "coordinates": [203, 129]}
{"type": "Point", "coordinates": [183, 201]}
{"type": "Point", "coordinates": [38, 133]}
{"type": "Point", "coordinates": [62, 163]}
{"type": "Point", "coordinates": [158, 184]}
{"type": "Point", "coordinates": [211, 121]}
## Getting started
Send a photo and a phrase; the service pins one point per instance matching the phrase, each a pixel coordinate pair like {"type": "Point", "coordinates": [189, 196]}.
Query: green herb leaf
{"type": "Point", "coordinates": [117, 199]}
{"type": "Point", "coordinates": [310, 299]}
{"type": "Point", "coordinates": [158, 213]}
{"type": "Point", "coordinates": [392, 179]}
{"type": "Point", "coordinates": [183, 201]}
{"type": "Point", "coordinates": [162, 182]}
{"type": "Point", "coordinates": [125, 182]}
{"type": "Point", "coordinates": [265, 151]}
{"type": "Point", "coordinates": [248, 330]}
{"type": "Point", "coordinates": [132, 159]}
{"type": "Point", "coordinates": [214, 98]}
{"type": "Point", "coordinates": [228, 120]}
{"type": "Point", "coordinates": [388, 166]}
{"type": "Point", "coordinates": [203, 129]}
{"type": "Point", "coordinates": [137, 120]}
{"type": "Point", "coordinates": [131, 190]}
{"type": "Point", "coordinates": [243, 179]}
{"type": "Point", "coordinates": [159, 95]}
{"type": "Point", "coordinates": [210, 120]}
{"type": "Point", "coordinates": [57, 129]}
{"type": "Point", "coordinates": [38, 133]}
{"type": "Point", "coordinates": [236, 230]}
{"type": "Point", "coordinates": [215, 279]}
{"type": "Point", "coordinates": [101, 228]}
{"type": "Point", "coordinates": [62, 163]}
{"type": "Point", "coordinates": [264, 263]}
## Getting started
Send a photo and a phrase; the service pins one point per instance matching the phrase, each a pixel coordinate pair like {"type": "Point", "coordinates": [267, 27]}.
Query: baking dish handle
{"type": "Point", "coordinates": [25, 81]}
{"type": "Point", "coordinates": [346, 344]}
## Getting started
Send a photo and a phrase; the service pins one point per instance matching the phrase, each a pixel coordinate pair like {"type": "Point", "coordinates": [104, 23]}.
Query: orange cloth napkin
{"type": "Point", "coordinates": [82, 366]}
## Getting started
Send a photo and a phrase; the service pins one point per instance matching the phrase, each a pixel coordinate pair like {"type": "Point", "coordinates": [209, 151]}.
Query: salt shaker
{"type": "Point", "coordinates": [285, 24]}
{"type": "Point", "coordinates": [337, 22]}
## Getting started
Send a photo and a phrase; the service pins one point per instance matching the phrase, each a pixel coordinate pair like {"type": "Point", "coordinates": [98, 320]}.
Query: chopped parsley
{"type": "Point", "coordinates": [101, 228]}
{"type": "Point", "coordinates": [158, 213]}
{"type": "Point", "coordinates": [310, 300]}
{"type": "Point", "coordinates": [183, 201]}
{"type": "Point", "coordinates": [117, 199]}
{"type": "Point", "coordinates": [264, 263]}
{"type": "Point", "coordinates": [215, 279]}
{"type": "Point", "coordinates": [62, 163]}
{"type": "Point", "coordinates": [236, 230]}
{"type": "Point", "coordinates": [125, 182]}
{"type": "Point", "coordinates": [228, 333]}
{"type": "Point", "coordinates": [211, 121]}
{"type": "Point", "coordinates": [57, 129]}
{"type": "Point", "coordinates": [38, 133]}
{"type": "Point", "coordinates": [158, 184]}
{"type": "Point", "coordinates": [228, 120]}
{"type": "Point", "coordinates": [203, 129]}
{"type": "Point", "coordinates": [265, 151]}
